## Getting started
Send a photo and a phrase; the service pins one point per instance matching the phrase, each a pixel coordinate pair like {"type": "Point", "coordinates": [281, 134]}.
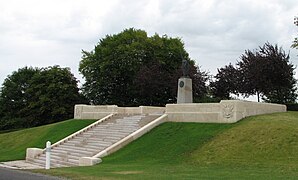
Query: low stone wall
{"type": "Point", "coordinates": [227, 111]}
{"type": "Point", "coordinates": [83, 111]}
{"type": "Point", "coordinates": [97, 112]}
{"type": "Point", "coordinates": [152, 110]}
{"type": "Point", "coordinates": [193, 112]}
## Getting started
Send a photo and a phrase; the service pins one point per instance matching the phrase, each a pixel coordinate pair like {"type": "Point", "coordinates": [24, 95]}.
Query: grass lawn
{"type": "Point", "coordinates": [259, 147]}
{"type": "Point", "coordinates": [13, 145]}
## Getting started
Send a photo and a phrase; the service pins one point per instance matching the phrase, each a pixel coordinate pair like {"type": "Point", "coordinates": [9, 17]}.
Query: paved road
{"type": "Point", "coordinates": [12, 174]}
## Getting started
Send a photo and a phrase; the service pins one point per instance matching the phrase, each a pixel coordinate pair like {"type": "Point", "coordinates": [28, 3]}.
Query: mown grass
{"type": "Point", "coordinates": [259, 147]}
{"type": "Point", "coordinates": [13, 145]}
{"type": "Point", "coordinates": [267, 140]}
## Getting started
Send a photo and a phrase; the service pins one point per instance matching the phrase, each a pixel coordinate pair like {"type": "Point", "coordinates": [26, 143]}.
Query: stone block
{"type": "Point", "coordinates": [89, 161]}
{"type": "Point", "coordinates": [33, 152]}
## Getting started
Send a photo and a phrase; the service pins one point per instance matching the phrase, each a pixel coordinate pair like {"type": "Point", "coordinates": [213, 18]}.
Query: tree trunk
{"type": "Point", "coordinates": [258, 95]}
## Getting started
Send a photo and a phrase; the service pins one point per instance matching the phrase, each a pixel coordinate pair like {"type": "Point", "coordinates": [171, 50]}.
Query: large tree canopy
{"type": "Point", "coordinates": [265, 72]}
{"type": "Point", "coordinates": [33, 96]}
{"type": "Point", "coordinates": [131, 69]}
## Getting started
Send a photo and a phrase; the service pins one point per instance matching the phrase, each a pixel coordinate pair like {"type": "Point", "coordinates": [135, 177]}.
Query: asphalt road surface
{"type": "Point", "coordinates": [13, 174]}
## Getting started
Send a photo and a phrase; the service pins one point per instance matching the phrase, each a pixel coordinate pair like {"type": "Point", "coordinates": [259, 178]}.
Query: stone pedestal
{"type": "Point", "coordinates": [184, 90]}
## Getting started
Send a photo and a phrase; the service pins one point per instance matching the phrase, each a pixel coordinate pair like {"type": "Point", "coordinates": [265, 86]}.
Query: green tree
{"type": "Point", "coordinates": [199, 79]}
{"type": "Point", "coordinates": [131, 69]}
{"type": "Point", "coordinates": [279, 72]}
{"type": "Point", "coordinates": [226, 82]}
{"type": "Point", "coordinates": [13, 97]}
{"type": "Point", "coordinates": [32, 96]}
{"type": "Point", "coordinates": [267, 73]}
{"type": "Point", "coordinates": [55, 93]}
{"type": "Point", "coordinates": [252, 80]}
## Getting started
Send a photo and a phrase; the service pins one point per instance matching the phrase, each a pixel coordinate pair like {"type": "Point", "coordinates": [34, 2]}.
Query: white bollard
{"type": "Point", "coordinates": [48, 155]}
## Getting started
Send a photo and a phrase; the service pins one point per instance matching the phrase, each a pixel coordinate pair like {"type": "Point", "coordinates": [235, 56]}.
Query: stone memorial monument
{"type": "Point", "coordinates": [184, 85]}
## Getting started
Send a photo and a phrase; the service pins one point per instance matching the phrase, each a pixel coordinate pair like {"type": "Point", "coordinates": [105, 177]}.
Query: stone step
{"type": "Point", "coordinates": [63, 150]}
{"type": "Point", "coordinates": [94, 140]}
{"type": "Point", "coordinates": [104, 133]}
{"type": "Point", "coordinates": [87, 152]}
{"type": "Point", "coordinates": [99, 138]}
{"type": "Point", "coordinates": [120, 128]}
{"type": "Point", "coordinates": [128, 122]}
{"type": "Point", "coordinates": [60, 156]}
{"type": "Point", "coordinates": [116, 129]}
{"type": "Point", "coordinates": [94, 136]}
{"type": "Point", "coordinates": [116, 126]}
{"type": "Point", "coordinates": [37, 161]}
{"type": "Point", "coordinates": [106, 138]}
{"type": "Point", "coordinates": [72, 155]}
{"type": "Point", "coordinates": [92, 147]}
{"type": "Point", "coordinates": [58, 160]}
{"type": "Point", "coordinates": [96, 143]}
{"type": "Point", "coordinates": [134, 117]}
{"type": "Point", "coordinates": [31, 161]}
{"type": "Point", "coordinates": [107, 132]}
{"type": "Point", "coordinates": [54, 163]}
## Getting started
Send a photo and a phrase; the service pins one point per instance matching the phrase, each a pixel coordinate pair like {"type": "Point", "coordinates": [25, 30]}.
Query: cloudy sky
{"type": "Point", "coordinates": [43, 33]}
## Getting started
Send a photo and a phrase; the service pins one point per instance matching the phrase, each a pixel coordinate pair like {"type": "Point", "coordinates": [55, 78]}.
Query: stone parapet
{"type": "Point", "coordinates": [234, 110]}
{"type": "Point", "coordinates": [100, 111]}
{"type": "Point", "coordinates": [227, 111]}
{"type": "Point", "coordinates": [83, 111]}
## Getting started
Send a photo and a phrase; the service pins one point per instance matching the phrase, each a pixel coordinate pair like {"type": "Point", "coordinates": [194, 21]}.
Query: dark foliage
{"type": "Point", "coordinates": [268, 73]}
{"type": "Point", "coordinates": [32, 96]}
{"type": "Point", "coordinates": [292, 107]}
{"type": "Point", "coordinates": [265, 72]}
{"type": "Point", "coordinates": [226, 82]}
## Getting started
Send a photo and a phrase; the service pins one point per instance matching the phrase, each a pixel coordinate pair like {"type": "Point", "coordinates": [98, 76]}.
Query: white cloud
{"type": "Point", "coordinates": [215, 32]}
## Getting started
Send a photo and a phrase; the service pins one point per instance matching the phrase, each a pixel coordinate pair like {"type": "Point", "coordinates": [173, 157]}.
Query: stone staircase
{"type": "Point", "coordinates": [94, 140]}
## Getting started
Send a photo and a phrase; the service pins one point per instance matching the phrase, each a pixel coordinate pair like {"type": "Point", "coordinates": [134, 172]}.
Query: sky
{"type": "Point", "coordinates": [41, 33]}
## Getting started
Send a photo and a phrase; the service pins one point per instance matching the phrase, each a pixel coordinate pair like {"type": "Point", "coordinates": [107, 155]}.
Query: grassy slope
{"type": "Point", "coordinates": [260, 147]}
{"type": "Point", "coordinates": [267, 140]}
{"type": "Point", "coordinates": [13, 144]}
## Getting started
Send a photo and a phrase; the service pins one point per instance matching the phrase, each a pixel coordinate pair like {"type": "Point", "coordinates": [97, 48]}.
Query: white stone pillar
{"type": "Point", "coordinates": [48, 155]}
{"type": "Point", "coordinates": [184, 90]}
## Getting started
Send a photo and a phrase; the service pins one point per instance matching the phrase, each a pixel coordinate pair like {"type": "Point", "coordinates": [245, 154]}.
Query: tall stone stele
{"type": "Point", "coordinates": [185, 85]}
